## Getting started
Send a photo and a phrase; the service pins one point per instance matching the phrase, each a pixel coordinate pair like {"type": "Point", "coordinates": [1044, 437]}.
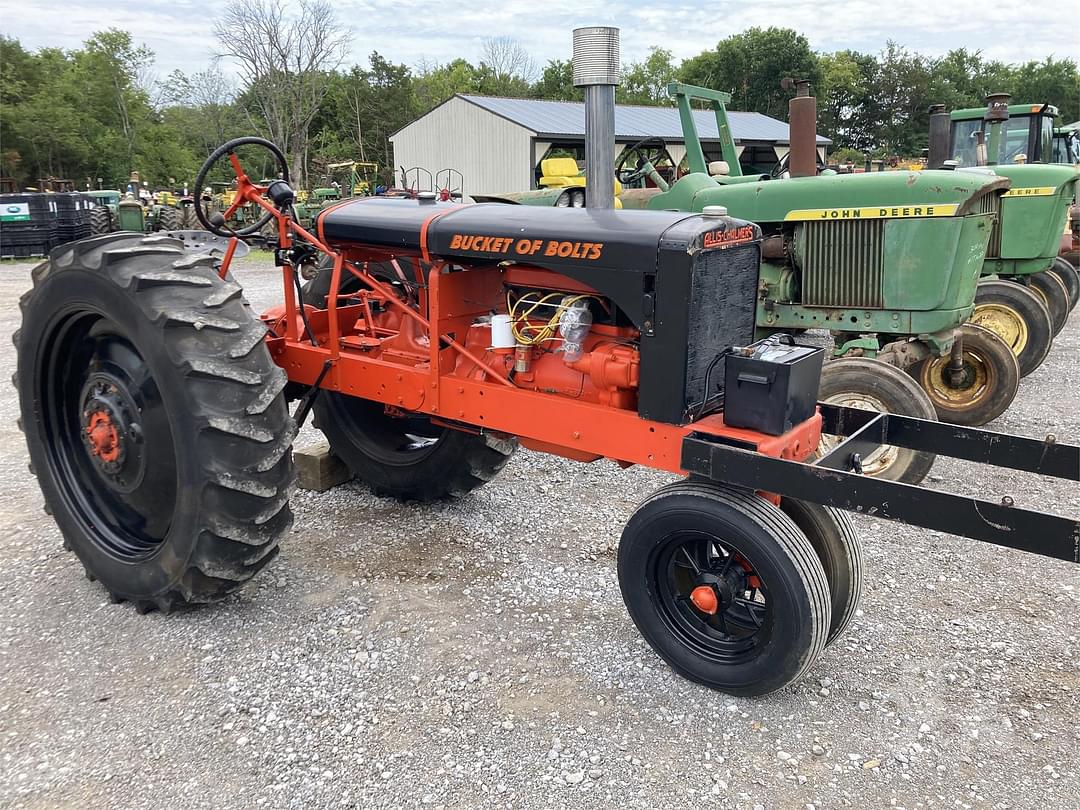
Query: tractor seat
{"type": "Point", "coordinates": [560, 172]}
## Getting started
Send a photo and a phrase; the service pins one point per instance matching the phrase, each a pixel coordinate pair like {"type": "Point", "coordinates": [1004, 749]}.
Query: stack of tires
{"type": "Point", "coordinates": [27, 225]}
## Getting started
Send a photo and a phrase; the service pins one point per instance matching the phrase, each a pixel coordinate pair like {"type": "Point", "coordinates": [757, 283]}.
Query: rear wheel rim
{"type": "Point", "coordinates": [111, 453]}
{"type": "Point", "coordinates": [742, 624]}
{"type": "Point", "coordinates": [1005, 322]}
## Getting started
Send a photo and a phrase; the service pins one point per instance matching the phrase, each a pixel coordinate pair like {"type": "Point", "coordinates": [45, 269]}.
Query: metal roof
{"type": "Point", "coordinates": [567, 119]}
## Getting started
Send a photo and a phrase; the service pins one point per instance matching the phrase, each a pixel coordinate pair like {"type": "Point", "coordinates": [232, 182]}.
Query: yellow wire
{"type": "Point", "coordinates": [545, 332]}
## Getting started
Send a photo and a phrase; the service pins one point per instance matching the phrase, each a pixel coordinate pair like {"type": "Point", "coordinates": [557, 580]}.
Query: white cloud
{"type": "Point", "coordinates": [409, 31]}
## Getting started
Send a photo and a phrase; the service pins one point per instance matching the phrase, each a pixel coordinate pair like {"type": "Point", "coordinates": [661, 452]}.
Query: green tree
{"type": "Point", "coordinates": [646, 82]}
{"type": "Point", "coordinates": [1053, 81]}
{"type": "Point", "coordinates": [750, 66]}
{"type": "Point", "coordinates": [556, 82]}
{"type": "Point", "coordinates": [842, 95]}
{"type": "Point", "coordinates": [899, 101]}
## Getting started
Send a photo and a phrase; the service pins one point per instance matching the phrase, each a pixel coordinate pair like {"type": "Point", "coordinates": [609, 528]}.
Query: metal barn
{"type": "Point", "coordinates": [497, 143]}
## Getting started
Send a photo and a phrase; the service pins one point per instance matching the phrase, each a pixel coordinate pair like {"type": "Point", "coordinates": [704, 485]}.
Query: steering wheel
{"type": "Point", "coordinates": [649, 150]}
{"type": "Point", "coordinates": [780, 168]}
{"type": "Point", "coordinates": [217, 223]}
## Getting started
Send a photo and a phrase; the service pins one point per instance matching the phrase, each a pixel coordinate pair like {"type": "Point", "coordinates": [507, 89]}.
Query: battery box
{"type": "Point", "coordinates": [771, 385]}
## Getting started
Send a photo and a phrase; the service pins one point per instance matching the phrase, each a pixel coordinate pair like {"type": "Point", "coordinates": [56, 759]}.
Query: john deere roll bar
{"type": "Point", "coordinates": [835, 479]}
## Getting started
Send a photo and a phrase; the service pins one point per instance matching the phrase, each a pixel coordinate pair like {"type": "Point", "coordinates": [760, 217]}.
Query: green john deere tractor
{"type": "Point", "coordinates": [106, 210]}
{"type": "Point", "coordinates": [887, 262]}
{"type": "Point", "coordinates": [113, 211]}
{"type": "Point", "coordinates": [1027, 291]}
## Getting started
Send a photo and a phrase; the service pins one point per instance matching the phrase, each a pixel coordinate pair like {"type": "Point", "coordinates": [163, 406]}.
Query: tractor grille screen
{"type": "Point", "coordinates": [723, 300]}
{"type": "Point", "coordinates": [842, 263]}
{"type": "Point", "coordinates": [991, 204]}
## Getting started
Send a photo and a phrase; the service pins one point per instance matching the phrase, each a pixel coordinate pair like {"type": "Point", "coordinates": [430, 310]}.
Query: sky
{"type": "Point", "coordinates": [180, 32]}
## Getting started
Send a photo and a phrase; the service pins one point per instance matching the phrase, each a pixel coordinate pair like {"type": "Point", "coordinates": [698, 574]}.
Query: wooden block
{"type": "Point", "coordinates": [319, 469]}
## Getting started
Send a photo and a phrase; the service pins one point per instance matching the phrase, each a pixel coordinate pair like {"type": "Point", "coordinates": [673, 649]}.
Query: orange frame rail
{"type": "Point", "coordinates": [576, 429]}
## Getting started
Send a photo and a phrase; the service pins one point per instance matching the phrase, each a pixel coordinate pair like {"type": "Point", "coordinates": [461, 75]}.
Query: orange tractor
{"type": "Point", "coordinates": [154, 404]}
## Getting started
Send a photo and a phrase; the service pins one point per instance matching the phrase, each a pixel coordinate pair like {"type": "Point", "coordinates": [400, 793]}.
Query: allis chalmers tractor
{"type": "Point", "coordinates": [1027, 291]}
{"type": "Point", "coordinates": [154, 404]}
{"type": "Point", "coordinates": [888, 262]}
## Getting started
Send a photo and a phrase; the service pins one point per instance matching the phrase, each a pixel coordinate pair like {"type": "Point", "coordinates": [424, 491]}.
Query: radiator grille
{"type": "Point", "coordinates": [723, 300]}
{"type": "Point", "coordinates": [842, 263]}
{"type": "Point", "coordinates": [991, 204]}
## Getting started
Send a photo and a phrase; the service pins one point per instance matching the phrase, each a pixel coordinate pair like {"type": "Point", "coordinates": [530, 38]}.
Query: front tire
{"type": "Point", "coordinates": [1017, 316]}
{"type": "Point", "coordinates": [988, 384]}
{"type": "Point", "coordinates": [154, 419]}
{"type": "Point", "coordinates": [1069, 277]}
{"type": "Point", "coordinates": [724, 587]}
{"type": "Point", "coordinates": [837, 545]}
{"type": "Point", "coordinates": [860, 382]}
{"type": "Point", "coordinates": [1053, 292]}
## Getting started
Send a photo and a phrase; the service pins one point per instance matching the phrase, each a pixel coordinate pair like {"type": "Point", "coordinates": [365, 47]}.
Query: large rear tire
{"type": "Point", "coordinates": [408, 458]}
{"type": "Point", "coordinates": [988, 384]}
{"type": "Point", "coordinates": [859, 382]}
{"type": "Point", "coordinates": [1017, 316]}
{"type": "Point", "coordinates": [154, 419]}
{"type": "Point", "coordinates": [168, 219]}
{"type": "Point", "coordinates": [724, 587]}
{"type": "Point", "coordinates": [100, 220]}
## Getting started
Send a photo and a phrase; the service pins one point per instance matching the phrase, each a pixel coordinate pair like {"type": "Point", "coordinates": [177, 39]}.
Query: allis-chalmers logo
{"type": "Point", "coordinates": [724, 238]}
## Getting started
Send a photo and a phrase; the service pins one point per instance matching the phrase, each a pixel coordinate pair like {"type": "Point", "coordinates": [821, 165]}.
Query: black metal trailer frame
{"type": "Point", "coordinates": [836, 479]}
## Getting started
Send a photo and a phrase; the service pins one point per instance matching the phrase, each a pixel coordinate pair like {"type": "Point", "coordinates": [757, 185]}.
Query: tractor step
{"type": "Point", "coordinates": [834, 481]}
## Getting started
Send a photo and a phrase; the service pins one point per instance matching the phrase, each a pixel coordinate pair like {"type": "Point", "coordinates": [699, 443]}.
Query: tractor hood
{"type": "Point", "coordinates": [1050, 179]}
{"type": "Point", "coordinates": [844, 196]}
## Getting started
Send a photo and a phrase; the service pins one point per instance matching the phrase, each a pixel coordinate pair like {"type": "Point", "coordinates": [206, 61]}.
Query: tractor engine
{"type": "Point", "coordinates": [624, 309]}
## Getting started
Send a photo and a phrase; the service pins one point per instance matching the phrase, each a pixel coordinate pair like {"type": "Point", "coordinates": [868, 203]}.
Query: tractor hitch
{"type": "Point", "coordinates": [830, 482]}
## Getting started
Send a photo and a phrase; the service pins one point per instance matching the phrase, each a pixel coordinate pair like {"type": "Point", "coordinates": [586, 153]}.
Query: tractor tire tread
{"type": "Point", "coordinates": [243, 428]}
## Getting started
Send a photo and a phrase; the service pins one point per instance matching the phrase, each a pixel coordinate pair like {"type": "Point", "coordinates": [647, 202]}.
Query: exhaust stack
{"type": "Point", "coordinates": [997, 113]}
{"type": "Point", "coordinates": [802, 129]}
{"type": "Point", "coordinates": [596, 68]}
{"type": "Point", "coordinates": [938, 151]}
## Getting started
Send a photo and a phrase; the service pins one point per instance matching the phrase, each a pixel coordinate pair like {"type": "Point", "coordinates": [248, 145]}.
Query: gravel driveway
{"type": "Point", "coordinates": [477, 654]}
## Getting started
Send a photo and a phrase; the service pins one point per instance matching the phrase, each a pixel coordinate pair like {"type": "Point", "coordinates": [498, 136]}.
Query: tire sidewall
{"type": "Point", "coordinates": [64, 291]}
{"type": "Point", "coordinates": [879, 379]}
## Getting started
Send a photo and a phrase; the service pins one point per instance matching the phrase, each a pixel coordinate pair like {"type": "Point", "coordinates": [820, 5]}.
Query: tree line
{"type": "Point", "coordinates": [98, 112]}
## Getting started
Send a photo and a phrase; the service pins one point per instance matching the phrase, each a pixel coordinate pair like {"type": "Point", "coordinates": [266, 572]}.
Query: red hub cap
{"type": "Point", "coordinates": [104, 438]}
{"type": "Point", "coordinates": [705, 599]}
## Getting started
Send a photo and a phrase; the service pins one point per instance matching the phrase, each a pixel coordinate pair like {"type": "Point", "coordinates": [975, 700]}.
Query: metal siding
{"type": "Point", "coordinates": [568, 118]}
{"type": "Point", "coordinates": [490, 152]}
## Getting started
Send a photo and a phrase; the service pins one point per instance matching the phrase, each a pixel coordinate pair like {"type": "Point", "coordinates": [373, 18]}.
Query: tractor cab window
{"type": "Point", "coordinates": [964, 142]}
{"type": "Point", "coordinates": [1066, 147]}
{"type": "Point", "coordinates": [1013, 140]}
{"type": "Point", "coordinates": [1046, 139]}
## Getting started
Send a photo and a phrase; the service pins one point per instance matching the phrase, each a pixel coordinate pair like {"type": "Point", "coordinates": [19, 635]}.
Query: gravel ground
{"type": "Point", "coordinates": [477, 654]}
